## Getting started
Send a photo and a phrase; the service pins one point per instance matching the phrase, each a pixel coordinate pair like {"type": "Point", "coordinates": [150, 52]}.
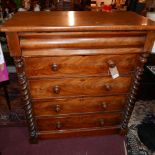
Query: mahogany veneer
{"type": "Point", "coordinates": [63, 60]}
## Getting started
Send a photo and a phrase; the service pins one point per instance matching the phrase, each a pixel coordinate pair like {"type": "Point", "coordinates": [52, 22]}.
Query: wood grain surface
{"type": "Point", "coordinates": [77, 122]}
{"type": "Point", "coordinates": [79, 65]}
{"type": "Point", "coordinates": [66, 106]}
{"type": "Point", "coordinates": [41, 43]}
{"type": "Point", "coordinates": [77, 21]}
{"type": "Point", "coordinates": [78, 132]}
{"type": "Point", "coordinates": [93, 86]}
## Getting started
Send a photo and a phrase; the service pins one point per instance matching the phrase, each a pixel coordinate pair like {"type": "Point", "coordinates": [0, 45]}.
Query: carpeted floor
{"type": "Point", "coordinates": [143, 112]}
{"type": "Point", "coordinates": [14, 141]}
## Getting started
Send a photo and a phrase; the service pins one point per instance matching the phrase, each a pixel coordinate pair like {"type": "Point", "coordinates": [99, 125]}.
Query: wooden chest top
{"type": "Point", "coordinates": [77, 21]}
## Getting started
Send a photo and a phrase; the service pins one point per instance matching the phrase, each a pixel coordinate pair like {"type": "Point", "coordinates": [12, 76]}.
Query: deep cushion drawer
{"type": "Point", "coordinates": [92, 86]}
{"type": "Point", "coordinates": [81, 40]}
{"type": "Point", "coordinates": [79, 65]}
{"type": "Point", "coordinates": [79, 105]}
{"type": "Point", "coordinates": [81, 121]}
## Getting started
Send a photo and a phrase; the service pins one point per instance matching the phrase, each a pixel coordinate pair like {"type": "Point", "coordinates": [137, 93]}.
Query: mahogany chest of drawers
{"type": "Point", "coordinates": [66, 63]}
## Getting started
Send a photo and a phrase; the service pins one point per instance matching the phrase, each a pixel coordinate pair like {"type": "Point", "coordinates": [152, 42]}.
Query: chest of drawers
{"type": "Point", "coordinates": [63, 62]}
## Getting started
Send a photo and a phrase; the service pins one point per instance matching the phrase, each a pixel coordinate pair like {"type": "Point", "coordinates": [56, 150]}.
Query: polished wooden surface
{"type": "Point", "coordinates": [71, 52]}
{"type": "Point", "coordinates": [78, 132]}
{"type": "Point", "coordinates": [82, 42]}
{"type": "Point", "coordinates": [13, 44]}
{"type": "Point", "coordinates": [81, 121]}
{"type": "Point", "coordinates": [75, 66]}
{"type": "Point", "coordinates": [77, 21]}
{"type": "Point", "coordinates": [91, 34]}
{"type": "Point", "coordinates": [91, 86]}
{"type": "Point", "coordinates": [65, 106]}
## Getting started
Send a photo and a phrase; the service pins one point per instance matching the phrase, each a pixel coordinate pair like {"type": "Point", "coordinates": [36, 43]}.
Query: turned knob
{"type": "Point", "coordinates": [56, 89]}
{"type": "Point", "coordinates": [111, 63]}
{"type": "Point", "coordinates": [58, 125]}
{"type": "Point", "coordinates": [54, 67]}
{"type": "Point", "coordinates": [101, 122]}
{"type": "Point", "coordinates": [108, 87]}
{"type": "Point", "coordinates": [57, 108]}
{"type": "Point", "coordinates": [104, 105]}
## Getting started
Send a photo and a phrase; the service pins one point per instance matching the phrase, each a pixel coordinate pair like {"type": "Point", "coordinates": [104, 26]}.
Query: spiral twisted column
{"type": "Point", "coordinates": [132, 97]}
{"type": "Point", "coordinates": [26, 98]}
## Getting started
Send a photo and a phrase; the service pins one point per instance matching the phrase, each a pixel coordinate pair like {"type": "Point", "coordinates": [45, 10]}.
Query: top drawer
{"type": "Point", "coordinates": [79, 40]}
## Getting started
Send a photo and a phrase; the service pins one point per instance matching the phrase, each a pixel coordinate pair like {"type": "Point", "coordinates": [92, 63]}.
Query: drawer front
{"type": "Point", "coordinates": [79, 105]}
{"type": "Point", "coordinates": [81, 40]}
{"type": "Point", "coordinates": [79, 65]}
{"type": "Point", "coordinates": [76, 122]}
{"type": "Point", "coordinates": [95, 86]}
{"type": "Point", "coordinates": [79, 132]}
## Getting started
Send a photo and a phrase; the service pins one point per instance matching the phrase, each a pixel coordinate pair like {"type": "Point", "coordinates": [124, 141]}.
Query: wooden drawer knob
{"type": "Point", "coordinates": [107, 87]}
{"type": "Point", "coordinates": [58, 125]}
{"type": "Point", "coordinates": [111, 63]}
{"type": "Point", "coordinates": [54, 67]}
{"type": "Point", "coordinates": [101, 122]}
{"type": "Point", "coordinates": [104, 105]}
{"type": "Point", "coordinates": [56, 89]}
{"type": "Point", "coordinates": [57, 108]}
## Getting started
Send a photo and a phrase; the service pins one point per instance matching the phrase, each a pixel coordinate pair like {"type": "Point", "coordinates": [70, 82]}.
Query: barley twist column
{"type": "Point", "coordinates": [26, 98]}
{"type": "Point", "coordinates": [132, 96]}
